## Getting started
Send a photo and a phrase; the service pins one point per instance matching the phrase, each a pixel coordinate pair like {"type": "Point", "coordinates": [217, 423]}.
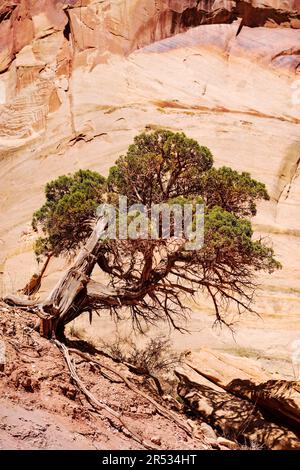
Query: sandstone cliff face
{"type": "Point", "coordinates": [127, 25]}
{"type": "Point", "coordinates": [80, 78]}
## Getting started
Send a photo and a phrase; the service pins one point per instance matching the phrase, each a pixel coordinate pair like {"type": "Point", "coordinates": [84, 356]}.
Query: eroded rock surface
{"type": "Point", "coordinates": [236, 418]}
{"type": "Point", "coordinates": [242, 378]}
{"type": "Point", "coordinates": [74, 90]}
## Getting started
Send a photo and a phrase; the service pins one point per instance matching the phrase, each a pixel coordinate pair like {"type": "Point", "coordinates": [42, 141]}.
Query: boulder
{"type": "Point", "coordinates": [240, 420]}
{"type": "Point", "coordinates": [222, 368]}
{"type": "Point", "coordinates": [280, 398]}
{"type": "Point", "coordinates": [244, 378]}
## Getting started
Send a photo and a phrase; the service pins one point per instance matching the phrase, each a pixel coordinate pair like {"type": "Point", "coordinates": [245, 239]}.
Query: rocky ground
{"type": "Point", "coordinates": [40, 408]}
{"type": "Point", "coordinates": [210, 401]}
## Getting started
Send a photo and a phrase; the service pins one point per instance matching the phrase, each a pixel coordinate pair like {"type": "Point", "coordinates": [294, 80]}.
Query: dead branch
{"type": "Point", "coordinates": [16, 301]}
{"type": "Point", "coordinates": [34, 284]}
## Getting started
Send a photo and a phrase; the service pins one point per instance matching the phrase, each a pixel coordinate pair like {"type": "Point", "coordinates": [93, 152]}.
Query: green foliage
{"type": "Point", "coordinates": [163, 167]}
{"type": "Point", "coordinates": [228, 239]}
{"type": "Point", "coordinates": [159, 166]}
{"type": "Point", "coordinates": [71, 202]}
{"type": "Point", "coordinates": [233, 191]}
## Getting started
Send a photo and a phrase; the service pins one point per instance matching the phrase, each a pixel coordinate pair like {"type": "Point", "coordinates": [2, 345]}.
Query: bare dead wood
{"type": "Point", "coordinates": [27, 306]}
{"type": "Point", "coordinates": [34, 283]}
{"type": "Point", "coordinates": [16, 301]}
{"type": "Point", "coordinates": [68, 298]}
{"type": "Point", "coordinates": [99, 404]}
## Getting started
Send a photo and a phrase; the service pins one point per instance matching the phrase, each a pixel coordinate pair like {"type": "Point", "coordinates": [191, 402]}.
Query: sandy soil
{"type": "Point", "coordinates": [41, 409]}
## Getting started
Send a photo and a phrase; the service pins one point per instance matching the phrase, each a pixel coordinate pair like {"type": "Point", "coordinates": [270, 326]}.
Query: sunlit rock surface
{"type": "Point", "coordinates": [80, 79]}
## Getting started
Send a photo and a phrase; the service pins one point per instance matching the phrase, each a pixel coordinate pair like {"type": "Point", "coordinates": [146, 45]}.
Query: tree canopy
{"type": "Point", "coordinates": [152, 276]}
{"type": "Point", "coordinates": [65, 218]}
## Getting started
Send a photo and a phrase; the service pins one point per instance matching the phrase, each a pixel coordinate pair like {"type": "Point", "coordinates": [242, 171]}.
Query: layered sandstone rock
{"type": "Point", "coordinates": [74, 90]}
{"type": "Point", "coordinates": [124, 26]}
{"type": "Point", "coordinates": [237, 396]}
{"type": "Point", "coordinates": [244, 378]}
{"type": "Point", "coordinates": [236, 418]}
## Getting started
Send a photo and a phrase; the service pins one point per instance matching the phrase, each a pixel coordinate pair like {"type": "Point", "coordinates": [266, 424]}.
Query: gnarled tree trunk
{"type": "Point", "coordinates": [68, 299]}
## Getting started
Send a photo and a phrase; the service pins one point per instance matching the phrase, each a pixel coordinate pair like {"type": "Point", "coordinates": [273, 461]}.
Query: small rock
{"type": "Point", "coordinates": [208, 431]}
{"type": "Point", "coordinates": [126, 432]}
{"type": "Point", "coordinates": [20, 378]}
{"type": "Point", "coordinates": [92, 366]}
{"type": "Point", "coordinates": [212, 442]}
{"type": "Point", "coordinates": [69, 391]}
{"type": "Point", "coordinates": [191, 423]}
{"type": "Point", "coordinates": [223, 442]}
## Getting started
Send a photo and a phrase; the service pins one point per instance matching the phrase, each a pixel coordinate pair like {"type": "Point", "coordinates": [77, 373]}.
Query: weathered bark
{"type": "Point", "coordinates": [76, 293]}
{"type": "Point", "coordinates": [68, 298]}
{"type": "Point", "coordinates": [22, 302]}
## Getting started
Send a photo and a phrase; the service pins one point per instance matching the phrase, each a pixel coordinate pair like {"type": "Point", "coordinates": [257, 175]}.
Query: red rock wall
{"type": "Point", "coordinates": [121, 27]}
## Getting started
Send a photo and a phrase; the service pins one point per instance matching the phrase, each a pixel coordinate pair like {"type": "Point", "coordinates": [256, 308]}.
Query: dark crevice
{"type": "Point", "coordinates": [67, 31]}
{"type": "Point", "coordinates": [251, 16]}
{"type": "Point", "coordinates": [292, 178]}
{"type": "Point", "coordinates": [192, 17]}
{"type": "Point", "coordinates": [240, 28]}
{"type": "Point", "coordinates": [5, 70]}
{"type": "Point", "coordinates": [5, 15]}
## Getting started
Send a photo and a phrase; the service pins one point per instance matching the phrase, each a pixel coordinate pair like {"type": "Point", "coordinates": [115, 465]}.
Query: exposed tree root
{"type": "Point", "coordinates": [98, 404]}
{"type": "Point", "coordinates": [160, 409]}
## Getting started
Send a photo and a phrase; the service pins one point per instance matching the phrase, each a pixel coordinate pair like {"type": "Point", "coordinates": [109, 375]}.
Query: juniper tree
{"type": "Point", "coordinates": [152, 277]}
